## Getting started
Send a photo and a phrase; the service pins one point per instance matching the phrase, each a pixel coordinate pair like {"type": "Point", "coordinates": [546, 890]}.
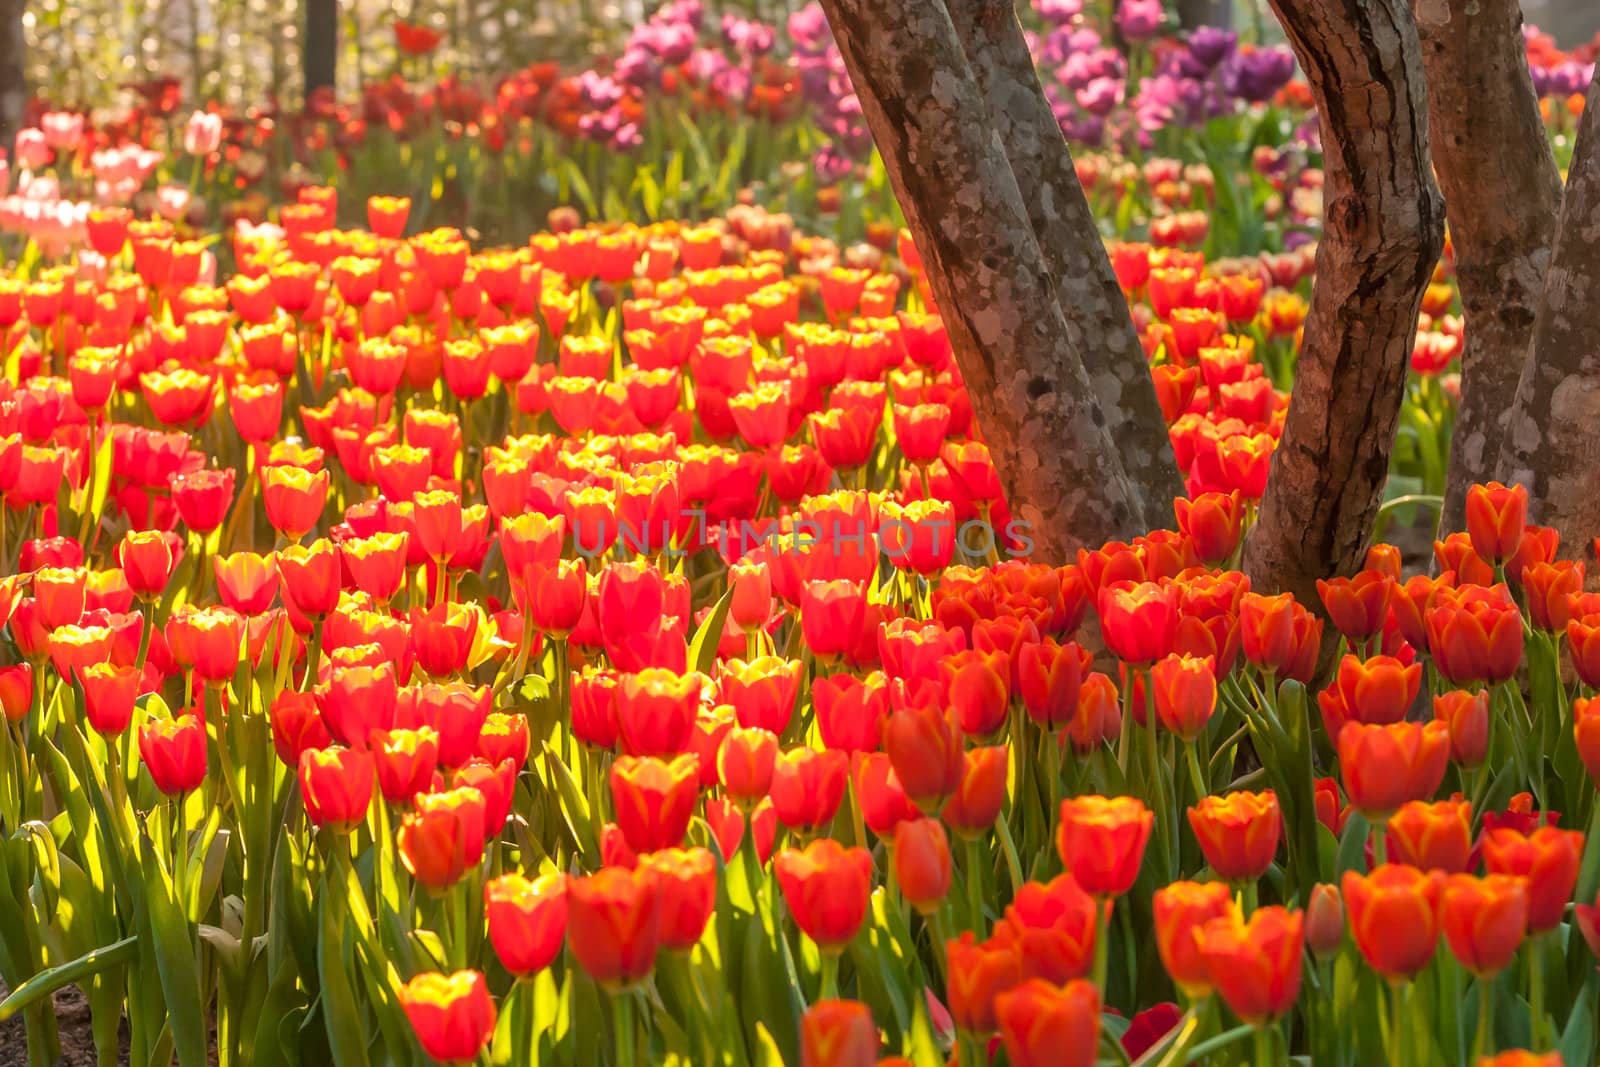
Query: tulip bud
{"type": "Point", "coordinates": [922, 863]}
{"type": "Point", "coordinates": [1325, 920]}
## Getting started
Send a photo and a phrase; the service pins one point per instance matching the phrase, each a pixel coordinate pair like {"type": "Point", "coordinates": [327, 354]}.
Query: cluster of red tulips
{"type": "Point", "coordinates": [617, 648]}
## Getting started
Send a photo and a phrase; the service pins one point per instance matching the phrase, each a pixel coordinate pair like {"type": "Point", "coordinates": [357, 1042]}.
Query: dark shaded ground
{"type": "Point", "coordinates": [77, 1039]}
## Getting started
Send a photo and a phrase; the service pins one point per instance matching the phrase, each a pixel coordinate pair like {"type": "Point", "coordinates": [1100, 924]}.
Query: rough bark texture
{"type": "Point", "coordinates": [1087, 293]}
{"type": "Point", "coordinates": [1383, 229]}
{"type": "Point", "coordinates": [321, 56]}
{"type": "Point", "coordinates": [1553, 442]}
{"type": "Point", "coordinates": [13, 71]}
{"type": "Point", "coordinates": [1502, 193]}
{"type": "Point", "coordinates": [1030, 394]}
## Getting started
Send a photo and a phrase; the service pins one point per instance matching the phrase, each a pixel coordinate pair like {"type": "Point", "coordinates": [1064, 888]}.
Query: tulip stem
{"type": "Point", "coordinates": [622, 1023]}
{"type": "Point", "coordinates": [829, 989]}
{"type": "Point", "coordinates": [1266, 1045]}
{"type": "Point", "coordinates": [974, 886]}
{"type": "Point", "coordinates": [1397, 1045]}
{"type": "Point", "coordinates": [1540, 1038]}
{"type": "Point", "coordinates": [1485, 1031]}
{"type": "Point", "coordinates": [1380, 847]}
{"type": "Point", "coordinates": [1102, 946]}
{"type": "Point", "coordinates": [1196, 778]}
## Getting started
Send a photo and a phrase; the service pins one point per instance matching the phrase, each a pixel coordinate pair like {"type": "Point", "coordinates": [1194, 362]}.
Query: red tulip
{"type": "Point", "coordinates": [527, 920]}
{"type": "Point", "coordinates": [1047, 1025]}
{"type": "Point", "coordinates": [614, 925]}
{"type": "Point", "coordinates": [1394, 916]}
{"type": "Point", "coordinates": [1255, 965]}
{"type": "Point", "coordinates": [174, 752]}
{"type": "Point", "coordinates": [1102, 841]}
{"type": "Point", "coordinates": [452, 1015]}
{"type": "Point", "coordinates": [827, 887]}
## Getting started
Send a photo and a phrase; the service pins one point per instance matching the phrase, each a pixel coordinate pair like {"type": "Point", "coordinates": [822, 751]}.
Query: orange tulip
{"type": "Point", "coordinates": [1386, 766]}
{"type": "Point", "coordinates": [1185, 689]}
{"type": "Point", "coordinates": [527, 920]}
{"type": "Point", "coordinates": [1255, 965]}
{"type": "Point", "coordinates": [827, 887]}
{"type": "Point", "coordinates": [1213, 522]}
{"type": "Point", "coordinates": [1548, 589]}
{"type": "Point", "coordinates": [687, 882]}
{"type": "Point", "coordinates": [452, 1015]}
{"type": "Point", "coordinates": [1375, 691]}
{"type": "Point", "coordinates": [838, 1033]}
{"type": "Point", "coordinates": [1182, 909]}
{"type": "Point", "coordinates": [1466, 714]}
{"type": "Point", "coordinates": [1047, 1025]}
{"type": "Point", "coordinates": [1496, 516]}
{"type": "Point", "coordinates": [1050, 677]}
{"type": "Point", "coordinates": [1522, 1058]}
{"type": "Point", "coordinates": [1484, 920]}
{"type": "Point", "coordinates": [1325, 920]}
{"type": "Point", "coordinates": [921, 855]}
{"type": "Point", "coordinates": [1053, 927]}
{"type": "Point", "coordinates": [745, 760]}
{"type": "Point", "coordinates": [336, 786]}
{"type": "Point", "coordinates": [293, 498]}
{"type": "Point", "coordinates": [982, 793]}
{"type": "Point", "coordinates": [1586, 730]}
{"type": "Point", "coordinates": [1475, 635]}
{"type": "Point", "coordinates": [443, 838]}
{"type": "Point", "coordinates": [614, 925]}
{"type": "Point", "coordinates": [1238, 833]}
{"type": "Point", "coordinates": [1139, 620]}
{"type": "Point", "coordinates": [1356, 605]}
{"type": "Point", "coordinates": [979, 973]}
{"type": "Point", "coordinates": [924, 748]}
{"type": "Point", "coordinates": [654, 800]}
{"type": "Point", "coordinates": [1548, 858]}
{"type": "Point", "coordinates": [1102, 841]}
{"type": "Point", "coordinates": [808, 786]}
{"type": "Point", "coordinates": [1394, 916]}
{"type": "Point", "coordinates": [1432, 837]}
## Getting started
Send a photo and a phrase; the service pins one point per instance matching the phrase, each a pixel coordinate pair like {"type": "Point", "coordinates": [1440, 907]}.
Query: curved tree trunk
{"type": "Point", "coordinates": [1383, 230]}
{"type": "Point", "coordinates": [1030, 393]}
{"type": "Point", "coordinates": [1087, 293]}
{"type": "Point", "coordinates": [320, 59]}
{"type": "Point", "coordinates": [1553, 440]}
{"type": "Point", "coordinates": [13, 72]}
{"type": "Point", "coordinates": [1502, 194]}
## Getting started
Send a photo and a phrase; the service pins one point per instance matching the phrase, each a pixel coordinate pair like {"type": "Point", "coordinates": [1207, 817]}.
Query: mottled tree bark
{"type": "Point", "coordinates": [1087, 292]}
{"type": "Point", "coordinates": [1030, 393]}
{"type": "Point", "coordinates": [13, 72]}
{"type": "Point", "coordinates": [1502, 193]}
{"type": "Point", "coordinates": [1553, 440]}
{"type": "Point", "coordinates": [1383, 229]}
{"type": "Point", "coordinates": [320, 60]}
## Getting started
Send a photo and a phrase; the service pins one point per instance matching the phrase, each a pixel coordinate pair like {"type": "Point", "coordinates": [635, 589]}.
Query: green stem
{"type": "Point", "coordinates": [1485, 1032]}
{"type": "Point", "coordinates": [1397, 1002]}
{"type": "Point", "coordinates": [1266, 1045]}
{"type": "Point", "coordinates": [1380, 848]}
{"type": "Point", "coordinates": [1196, 778]}
{"type": "Point", "coordinates": [1540, 1037]}
{"type": "Point", "coordinates": [1102, 944]}
{"type": "Point", "coordinates": [974, 886]}
{"type": "Point", "coordinates": [829, 988]}
{"type": "Point", "coordinates": [622, 1024]}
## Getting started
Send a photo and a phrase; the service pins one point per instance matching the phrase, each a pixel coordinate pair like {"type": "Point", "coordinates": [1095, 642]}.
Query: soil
{"type": "Point", "coordinates": [72, 1021]}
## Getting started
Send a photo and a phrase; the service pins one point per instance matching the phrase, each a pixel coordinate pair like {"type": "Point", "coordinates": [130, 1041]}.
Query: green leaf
{"type": "Point", "coordinates": [767, 1054]}
{"type": "Point", "coordinates": [572, 803]}
{"type": "Point", "coordinates": [340, 1012]}
{"type": "Point", "coordinates": [175, 959]}
{"type": "Point", "coordinates": [1578, 1038]}
{"type": "Point", "coordinates": [1353, 845]}
{"type": "Point", "coordinates": [47, 982]}
{"type": "Point", "coordinates": [703, 649]}
{"type": "Point", "coordinates": [47, 864]}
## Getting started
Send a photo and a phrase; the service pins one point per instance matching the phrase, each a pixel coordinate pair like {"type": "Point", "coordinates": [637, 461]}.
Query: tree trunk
{"type": "Point", "coordinates": [1551, 444]}
{"type": "Point", "coordinates": [319, 62]}
{"type": "Point", "coordinates": [1030, 394]}
{"type": "Point", "coordinates": [1087, 294]}
{"type": "Point", "coordinates": [1502, 193]}
{"type": "Point", "coordinates": [1193, 14]}
{"type": "Point", "coordinates": [13, 72]}
{"type": "Point", "coordinates": [1383, 229]}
